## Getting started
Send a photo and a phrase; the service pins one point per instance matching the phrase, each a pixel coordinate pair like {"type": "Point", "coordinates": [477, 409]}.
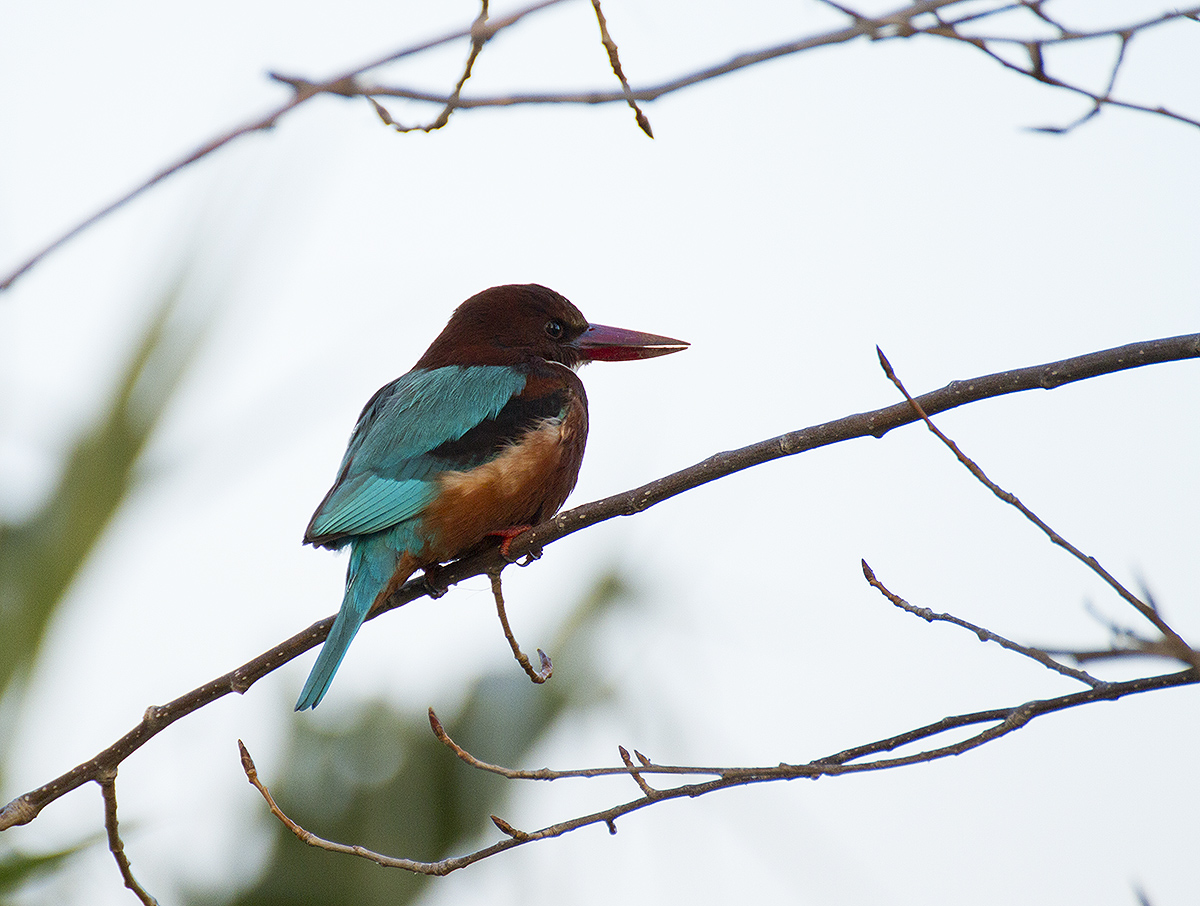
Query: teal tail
{"type": "Point", "coordinates": [372, 562]}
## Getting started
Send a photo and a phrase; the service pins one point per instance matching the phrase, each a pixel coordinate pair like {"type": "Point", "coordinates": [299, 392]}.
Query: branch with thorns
{"type": "Point", "coordinates": [923, 18]}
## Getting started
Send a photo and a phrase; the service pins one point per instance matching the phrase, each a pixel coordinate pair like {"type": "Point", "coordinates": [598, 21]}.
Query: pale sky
{"type": "Point", "coordinates": [784, 220]}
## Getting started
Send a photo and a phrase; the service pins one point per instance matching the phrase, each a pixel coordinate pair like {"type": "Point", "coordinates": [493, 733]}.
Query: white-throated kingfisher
{"type": "Point", "coordinates": [484, 437]}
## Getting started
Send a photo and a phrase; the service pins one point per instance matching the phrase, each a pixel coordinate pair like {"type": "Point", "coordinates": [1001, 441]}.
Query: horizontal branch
{"type": "Point", "coordinates": [1002, 721]}
{"type": "Point", "coordinates": [868, 424]}
{"type": "Point", "coordinates": [900, 23]}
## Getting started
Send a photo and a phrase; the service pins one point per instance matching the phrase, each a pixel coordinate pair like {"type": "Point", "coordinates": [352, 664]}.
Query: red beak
{"type": "Point", "coordinates": [615, 344]}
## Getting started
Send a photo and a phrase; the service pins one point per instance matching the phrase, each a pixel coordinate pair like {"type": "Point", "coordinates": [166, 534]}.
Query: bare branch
{"type": "Point", "coordinates": [480, 34]}
{"type": "Point", "coordinates": [900, 23]}
{"type": "Point", "coordinates": [1183, 651]}
{"type": "Point", "coordinates": [108, 787]}
{"type": "Point", "coordinates": [25, 808]}
{"type": "Point", "coordinates": [1000, 723]}
{"type": "Point", "coordinates": [302, 91]}
{"type": "Point", "coordinates": [985, 635]}
{"type": "Point", "coordinates": [615, 61]}
{"type": "Point", "coordinates": [650, 792]}
{"type": "Point", "coordinates": [546, 668]}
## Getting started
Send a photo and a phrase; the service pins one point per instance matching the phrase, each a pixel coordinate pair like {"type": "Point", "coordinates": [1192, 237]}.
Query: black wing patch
{"type": "Point", "coordinates": [491, 436]}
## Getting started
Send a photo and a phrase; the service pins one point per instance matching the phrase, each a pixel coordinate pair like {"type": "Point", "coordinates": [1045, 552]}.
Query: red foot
{"type": "Point", "coordinates": [507, 535]}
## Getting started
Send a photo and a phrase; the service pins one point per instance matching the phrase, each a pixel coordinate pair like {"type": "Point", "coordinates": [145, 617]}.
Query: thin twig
{"type": "Point", "coordinates": [108, 788]}
{"type": "Point", "coordinates": [480, 35]}
{"type": "Point", "coordinates": [547, 668]}
{"type": "Point", "coordinates": [1184, 651]}
{"type": "Point", "coordinates": [985, 635]}
{"type": "Point", "coordinates": [615, 61]}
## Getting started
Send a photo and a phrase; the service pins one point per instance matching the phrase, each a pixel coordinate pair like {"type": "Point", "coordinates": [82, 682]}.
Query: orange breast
{"type": "Point", "coordinates": [525, 484]}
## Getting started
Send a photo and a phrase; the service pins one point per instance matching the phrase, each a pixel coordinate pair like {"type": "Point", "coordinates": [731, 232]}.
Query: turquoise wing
{"type": "Point", "coordinates": [388, 474]}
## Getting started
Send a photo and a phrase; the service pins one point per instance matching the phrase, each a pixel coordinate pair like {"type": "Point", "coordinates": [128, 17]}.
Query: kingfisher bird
{"type": "Point", "coordinates": [482, 439]}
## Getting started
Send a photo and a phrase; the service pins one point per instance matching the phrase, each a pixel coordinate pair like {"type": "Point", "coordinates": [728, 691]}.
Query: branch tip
{"type": "Point", "coordinates": [884, 363]}
{"type": "Point", "coordinates": [507, 828]}
{"type": "Point", "coordinates": [247, 762]}
{"type": "Point", "coordinates": [438, 730]}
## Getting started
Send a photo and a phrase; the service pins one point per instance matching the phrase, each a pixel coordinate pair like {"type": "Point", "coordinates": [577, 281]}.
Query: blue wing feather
{"type": "Point", "coordinates": [387, 474]}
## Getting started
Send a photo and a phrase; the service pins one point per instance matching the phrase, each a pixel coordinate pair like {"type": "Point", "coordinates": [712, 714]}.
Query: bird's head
{"type": "Point", "coordinates": [506, 325]}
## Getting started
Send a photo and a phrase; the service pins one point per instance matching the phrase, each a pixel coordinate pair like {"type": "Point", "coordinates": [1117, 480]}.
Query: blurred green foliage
{"type": "Point", "coordinates": [387, 784]}
{"type": "Point", "coordinates": [41, 556]}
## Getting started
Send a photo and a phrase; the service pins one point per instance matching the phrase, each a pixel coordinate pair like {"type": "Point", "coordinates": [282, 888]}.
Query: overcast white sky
{"type": "Point", "coordinates": [784, 220]}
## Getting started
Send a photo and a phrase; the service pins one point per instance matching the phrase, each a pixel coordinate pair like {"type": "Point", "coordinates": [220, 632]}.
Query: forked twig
{"type": "Point", "coordinates": [345, 84]}
{"type": "Point", "coordinates": [897, 24]}
{"type": "Point", "coordinates": [636, 774]}
{"type": "Point", "coordinates": [1182, 650]}
{"type": "Point", "coordinates": [480, 35]}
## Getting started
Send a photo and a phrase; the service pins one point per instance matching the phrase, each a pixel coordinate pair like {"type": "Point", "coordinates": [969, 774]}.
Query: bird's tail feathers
{"type": "Point", "coordinates": [372, 563]}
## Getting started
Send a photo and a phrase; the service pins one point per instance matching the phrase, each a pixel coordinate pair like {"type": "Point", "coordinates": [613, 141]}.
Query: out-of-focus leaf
{"type": "Point", "coordinates": [389, 785]}
{"type": "Point", "coordinates": [40, 557]}
{"type": "Point", "coordinates": [16, 869]}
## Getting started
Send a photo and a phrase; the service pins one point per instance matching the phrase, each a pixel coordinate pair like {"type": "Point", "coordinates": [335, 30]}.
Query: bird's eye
{"type": "Point", "coordinates": [554, 330]}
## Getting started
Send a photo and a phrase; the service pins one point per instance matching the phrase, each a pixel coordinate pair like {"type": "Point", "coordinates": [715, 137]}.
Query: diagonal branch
{"type": "Point", "coordinates": [877, 423]}
{"type": "Point", "coordinates": [303, 91]}
{"type": "Point", "coordinates": [985, 635]}
{"type": "Point", "coordinates": [614, 60]}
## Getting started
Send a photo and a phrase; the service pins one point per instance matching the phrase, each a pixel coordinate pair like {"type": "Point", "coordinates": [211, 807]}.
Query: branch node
{"type": "Point", "coordinates": [107, 779]}
{"type": "Point", "coordinates": [651, 792]}
{"type": "Point", "coordinates": [507, 828]}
